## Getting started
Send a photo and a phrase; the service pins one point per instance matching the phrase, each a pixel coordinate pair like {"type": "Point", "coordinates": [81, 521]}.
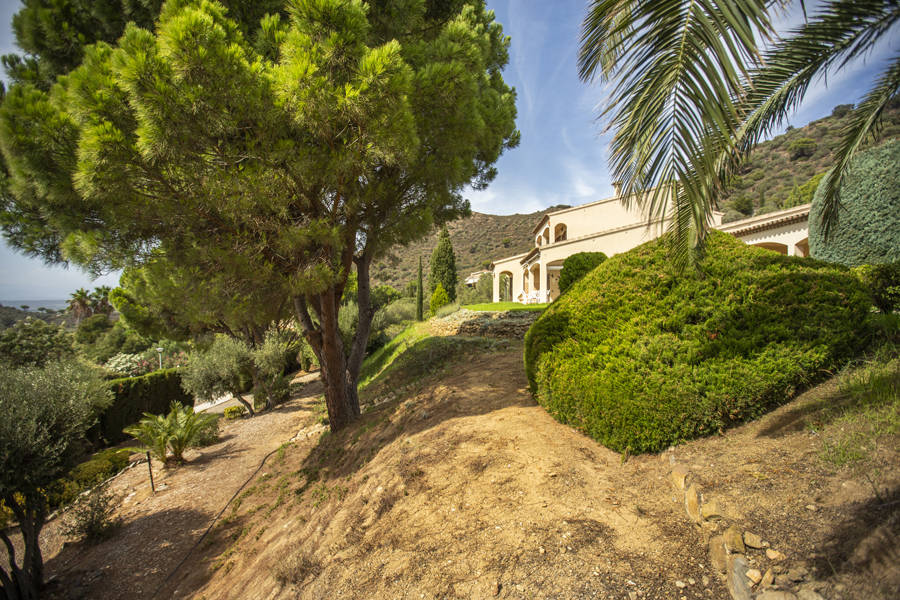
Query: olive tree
{"type": "Point", "coordinates": [44, 414]}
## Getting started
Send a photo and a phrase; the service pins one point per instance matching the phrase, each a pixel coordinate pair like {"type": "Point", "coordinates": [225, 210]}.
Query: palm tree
{"type": "Point", "coordinates": [100, 300]}
{"type": "Point", "coordinates": [80, 304]}
{"type": "Point", "coordinates": [692, 93]}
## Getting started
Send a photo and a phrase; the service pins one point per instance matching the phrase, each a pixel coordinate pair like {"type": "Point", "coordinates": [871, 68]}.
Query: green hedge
{"type": "Point", "coordinates": [868, 228]}
{"type": "Point", "coordinates": [577, 266]}
{"type": "Point", "coordinates": [639, 358]}
{"type": "Point", "coordinates": [152, 393]}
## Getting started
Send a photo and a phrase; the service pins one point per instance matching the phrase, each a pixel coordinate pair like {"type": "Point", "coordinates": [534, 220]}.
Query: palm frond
{"type": "Point", "coordinates": [863, 123]}
{"type": "Point", "coordinates": [839, 32]}
{"type": "Point", "coordinates": [676, 69]}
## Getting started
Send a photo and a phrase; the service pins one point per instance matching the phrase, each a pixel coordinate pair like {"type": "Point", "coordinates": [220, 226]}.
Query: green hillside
{"type": "Point", "coordinates": [476, 240]}
{"type": "Point", "coordinates": [774, 176]}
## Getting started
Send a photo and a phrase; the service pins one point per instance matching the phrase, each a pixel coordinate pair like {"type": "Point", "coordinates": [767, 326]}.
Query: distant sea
{"type": "Point", "coordinates": [33, 305]}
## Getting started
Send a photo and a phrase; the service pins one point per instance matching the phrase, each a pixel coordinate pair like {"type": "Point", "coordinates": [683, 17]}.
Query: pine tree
{"type": "Point", "coordinates": [419, 293]}
{"type": "Point", "coordinates": [443, 265]}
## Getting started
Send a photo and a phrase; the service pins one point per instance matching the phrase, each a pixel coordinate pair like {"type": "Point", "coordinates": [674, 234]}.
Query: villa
{"type": "Point", "coordinates": [608, 226]}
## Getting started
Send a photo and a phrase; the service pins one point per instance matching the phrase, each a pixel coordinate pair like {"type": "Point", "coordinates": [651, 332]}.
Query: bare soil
{"type": "Point", "coordinates": [464, 488]}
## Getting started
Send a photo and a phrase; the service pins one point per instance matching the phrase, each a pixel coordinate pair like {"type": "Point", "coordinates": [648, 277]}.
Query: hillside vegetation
{"type": "Point", "coordinates": [779, 173]}
{"type": "Point", "coordinates": [640, 359]}
{"type": "Point", "coordinates": [476, 240]}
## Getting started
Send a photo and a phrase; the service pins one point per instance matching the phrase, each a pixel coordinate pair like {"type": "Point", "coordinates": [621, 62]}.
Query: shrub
{"type": "Point", "coordinates": [577, 266]}
{"type": "Point", "coordinates": [91, 516]}
{"type": "Point", "coordinates": [868, 227]}
{"type": "Point", "coordinates": [883, 283]}
{"type": "Point", "coordinates": [842, 110]}
{"type": "Point", "coordinates": [639, 358]}
{"type": "Point", "coordinates": [175, 432]}
{"type": "Point", "coordinates": [34, 342]}
{"type": "Point", "coordinates": [803, 194]}
{"type": "Point", "coordinates": [271, 387]}
{"type": "Point", "coordinates": [134, 396]}
{"type": "Point", "coordinates": [443, 266]}
{"type": "Point", "coordinates": [98, 468]}
{"type": "Point", "coordinates": [438, 299]}
{"type": "Point", "coordinates": [235, 412]}
{"type": "Point", "coordinates": [802, 148]}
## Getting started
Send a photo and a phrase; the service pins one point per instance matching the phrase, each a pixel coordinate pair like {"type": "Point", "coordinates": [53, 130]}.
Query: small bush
{"type": "Point", "coordinates": [438, 299]}
{"type": "Point", "coordinates": [640, 358]}
{"type": "Point", "coordinates": [802, 148]}
{"type": "Point", "coordinates": [883, 283]}
{"type": "Point", "coordinates": [233, 413]}
{"type": "Point", "coordinates": [90, 517]}
{"type": "Point", "coordinates": [577, 266]}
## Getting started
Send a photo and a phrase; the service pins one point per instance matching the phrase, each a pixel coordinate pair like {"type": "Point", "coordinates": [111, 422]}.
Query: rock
{"type": "Point", "coordinates": [808, 594]}
{"type": "Point", "coordinates": [678, 476]}
{"type": "Point", "coordinates": [812, 507]}
{"type": "Point", "coordinates": [736, 578]}
{"type": "Point", "coordinates": [680, 585]}
{"type": "Point", "coordinates": [775, 555]}
{"type": "Point", "coordinates": [754, 575]}
{"type": "Point", "coordinates": [541, 550]}
{"type": "Point", "coordinates": [718, 557]}
{"type": "Point", "coordinates": [710, 510]}
{"type": "Point", "coordinates": [768, 579]}
{"type": "Point", "coordinates": [734, 541]}
{"type": "Point", "coordinates": [692, 504]}
{"type": "Point", "coordinates": [798, 573]}
{"type": "Point", "coordinates": [776, 595]}
{"type": "Point", "coordinates": [751, 540]}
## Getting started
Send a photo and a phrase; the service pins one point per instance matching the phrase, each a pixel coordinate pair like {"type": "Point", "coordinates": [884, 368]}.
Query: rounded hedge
{"type": "Point", "coordinates": [639, 358]}
{"type": "Point", "coordinates": [868, 227]}
{"type": "Point", "coordinates": [577, 266]}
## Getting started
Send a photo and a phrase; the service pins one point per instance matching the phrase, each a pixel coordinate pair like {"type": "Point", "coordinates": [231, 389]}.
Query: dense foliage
{"type": "Point", "coordinates": [868, 227]}
{"type": "Point", "coordinates": [438, 299]}
{"type": "Point", "coordinates": [44, 413]}
{"type": "Point", "coordinates": [577, 266]}
{"type": "Point", "coordinates": [443, 266]}
{"type": "Point", "coordinates": [34, 342]}
{"type": "Point", "coordinates": [883, 283]}
{"type": "Point", "coordinates": [275, 157]}
{"type": "Point", "coordinates": [134, 396]}
{"type": "Point", "coordinates": [640, 358]}
{"type": "Point", "coordinates": [226, 367]}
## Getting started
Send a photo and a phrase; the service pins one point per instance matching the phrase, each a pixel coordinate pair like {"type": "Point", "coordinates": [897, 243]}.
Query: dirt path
{"type": "Point", "coordinates": [158, 529]}
{"type": "Point", "coordinates": [465, 488]}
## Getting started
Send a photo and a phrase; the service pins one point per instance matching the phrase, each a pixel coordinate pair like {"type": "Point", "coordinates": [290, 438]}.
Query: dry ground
{"type": "Point", "coordinates": [463, 487]}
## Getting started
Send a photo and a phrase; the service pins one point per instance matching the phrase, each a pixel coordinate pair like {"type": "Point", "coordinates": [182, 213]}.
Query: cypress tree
{"type": "Point", "coordinates": [443, 265]}
{"type": "Point", "coordinates": [419, 294]}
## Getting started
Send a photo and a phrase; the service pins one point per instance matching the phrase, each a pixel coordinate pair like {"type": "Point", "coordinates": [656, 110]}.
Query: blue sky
{"type": "Point", "coordinates": [563, 155]}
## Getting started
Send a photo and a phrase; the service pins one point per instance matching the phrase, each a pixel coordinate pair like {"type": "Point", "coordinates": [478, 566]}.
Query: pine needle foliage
{"type": "Point", "coordinates": [281, 157]}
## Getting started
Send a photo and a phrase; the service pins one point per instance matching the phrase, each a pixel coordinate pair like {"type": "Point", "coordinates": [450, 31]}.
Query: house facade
{"type": "Point", "coordinates": [608, 226]}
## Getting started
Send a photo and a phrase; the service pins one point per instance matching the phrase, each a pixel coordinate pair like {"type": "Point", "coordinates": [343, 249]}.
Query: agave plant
{"type": "Point", "coordinates": [174, 432]}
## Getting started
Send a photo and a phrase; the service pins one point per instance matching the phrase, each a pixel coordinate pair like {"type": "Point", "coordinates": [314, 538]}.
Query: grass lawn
{"type": "Point", "coordinates": [505, 306]}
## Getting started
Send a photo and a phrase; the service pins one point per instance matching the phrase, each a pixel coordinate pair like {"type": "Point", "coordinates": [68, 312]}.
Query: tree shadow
{"type": "Point", "coordinates": [426, 364]}
{"type": "Point", "coordinates": [132, 563]}
{"type": "Point", "coordinates": [866, 545]}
